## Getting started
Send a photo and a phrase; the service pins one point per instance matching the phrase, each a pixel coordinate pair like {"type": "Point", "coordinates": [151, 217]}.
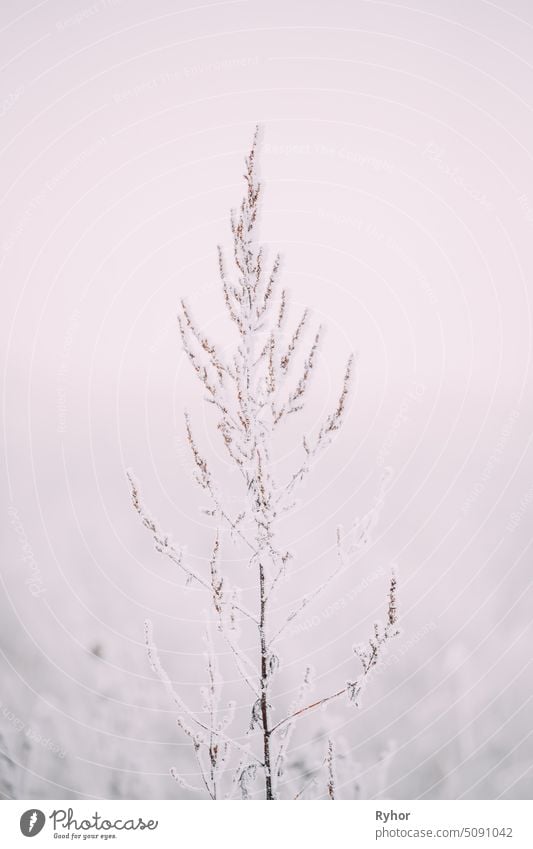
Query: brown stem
{"type": "Point", "coordinates": [308, 707]}
{"type": "Point", "coordinates": [264, 687]}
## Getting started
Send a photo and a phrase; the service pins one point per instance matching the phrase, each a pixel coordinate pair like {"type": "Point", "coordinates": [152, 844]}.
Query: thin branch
{"type": "Point", "coordinates": [368, 657]}
{"type": "Point", "coordinates": [330, 758]}
{"type": "Point", "coordinates": [289, 727]}
{"type": "Point", "coordinates": [161, 673]}
{"type": "Point", "coordinates": [163, 545]}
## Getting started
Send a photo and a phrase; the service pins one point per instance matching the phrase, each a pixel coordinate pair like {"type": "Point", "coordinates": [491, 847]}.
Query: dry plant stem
{"type": "Point", "coordinates": [264, 689]}
{"type": "Point", "coordinates": [253, 391]}
{"type": "Point", "coordinates": [307, 708]}
{"type": "Point", "coordinates": [330, 760]}
{"type": "Point", "coordinates": [311, 783]}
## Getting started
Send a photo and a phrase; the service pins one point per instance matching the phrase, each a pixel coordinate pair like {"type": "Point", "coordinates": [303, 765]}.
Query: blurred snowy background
{"type": "Point", "coordinates": [397, 162]}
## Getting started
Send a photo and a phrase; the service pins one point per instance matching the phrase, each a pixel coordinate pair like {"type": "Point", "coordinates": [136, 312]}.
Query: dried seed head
{"type": "Point", "coordinates": [393, 611]}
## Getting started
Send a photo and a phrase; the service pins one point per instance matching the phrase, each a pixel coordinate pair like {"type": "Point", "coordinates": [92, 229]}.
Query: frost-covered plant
{"type": "Point", "coordinates": [15, 761]}
{"type": "Point", "coordinates": [262, 382]}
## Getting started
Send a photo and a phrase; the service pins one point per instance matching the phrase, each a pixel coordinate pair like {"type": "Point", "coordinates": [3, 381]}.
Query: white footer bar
{"type": "Point", "coordinates": [254, 825]}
